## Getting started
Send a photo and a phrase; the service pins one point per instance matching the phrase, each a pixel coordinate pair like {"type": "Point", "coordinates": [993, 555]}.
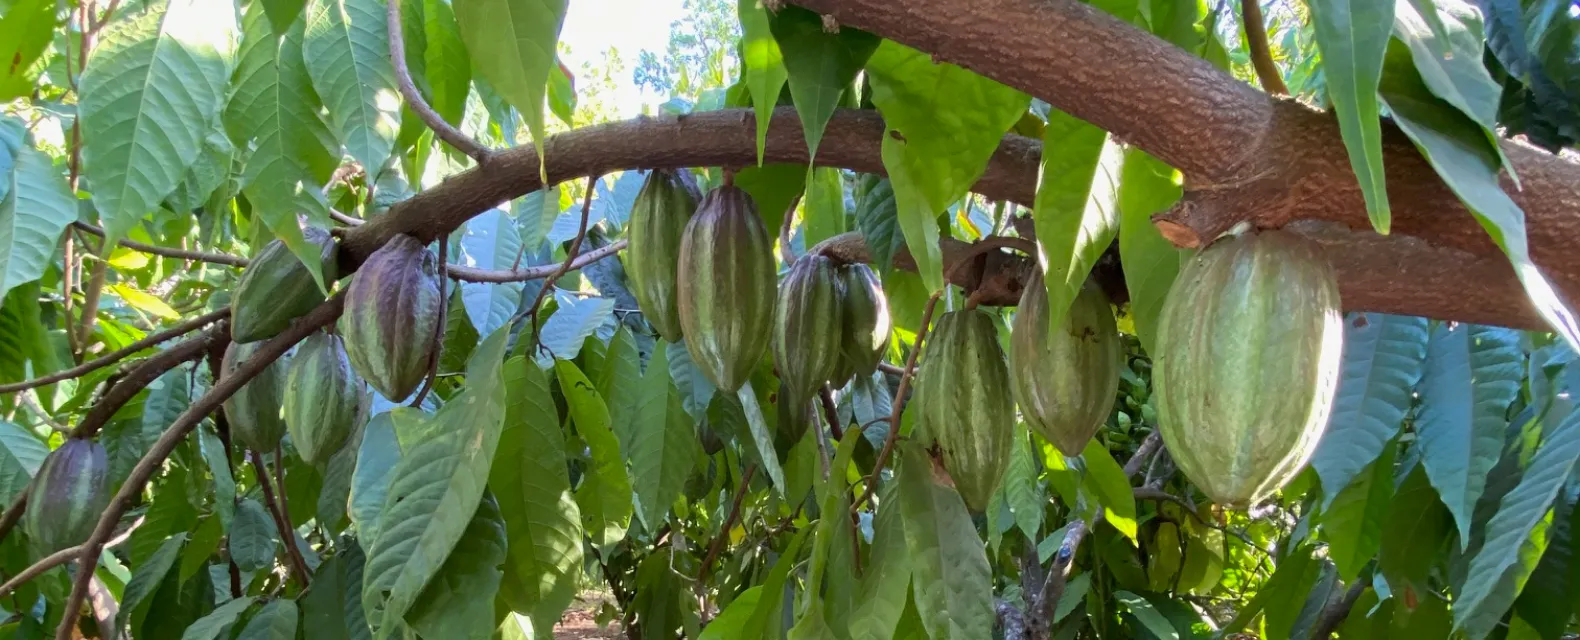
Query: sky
{"type": "Point", "coordinates": [592, 26]}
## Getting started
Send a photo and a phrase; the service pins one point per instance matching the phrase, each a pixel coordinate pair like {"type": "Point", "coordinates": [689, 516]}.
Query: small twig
{"type": "Point", "coordinates": [444, 308]}
{"type": "Point", "coordinates": [570, 257]}
{"type": "Point", "coordinates": [216, 360]}
{"type": "Point", "coordinates": [90, 304]}
{"type": "Point", "coordinates": [717, 546]}
{"type": "Point", "coordinates": [1335, 613]}
{"type": "Point", "coordinates": [1149, 446]}
{"type": "Point", "coordinates": [784, 231]}
{"type": "Point", "coordinates": [43, 414]}
{"type": "Point", "coordinates": [831, 413]}
{"type": "Point", "coordinates": [469, 274]}
{"type": "Point", "coordinates": [408, 91]}
{"type": "Point", "coordinates": [144, 374]}
{"type": "Point", "coordinates": [132, 487]}
{"type": "Point", "coordinates": [68, 272]}
{"type": "Point", "coordinates": [13, 513]}
{"type": "Point", "coordinates": [282, 520]}
{"type": "Point", "coordinates": [898, 403]}
{"type": "Point", "coordinates": [184, 254]}
{"type": "Point", "coordinates": [345, 219]}
{"type": "Point", "coordinates": [119, 354]}
{"type": "Point", "coordinates": [59, 558]}
{"type": "Point", "coordinates": [1261, 55]}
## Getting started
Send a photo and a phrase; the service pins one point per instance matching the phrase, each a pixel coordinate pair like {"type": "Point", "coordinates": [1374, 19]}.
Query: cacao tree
{"type": "Point", "coordinates": [1018, 319]}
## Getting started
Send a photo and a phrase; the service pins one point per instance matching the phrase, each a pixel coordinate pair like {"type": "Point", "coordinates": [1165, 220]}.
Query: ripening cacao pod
{"type": "Point", "coordinates": [322, 397]}
{"type": "Point", "coordinates": [277, 288]}
{"type": "Point", "coordinates": [254, 410]}
{"type": "Point", "coordinates": [658, 221]}
{"type": "Point", "coordinates": [67, 497]}
{"type": "Point", "coordinates": [965, 405]}
{"type": "Point", "coordinates": [1065, 381]}
{"type": "Point", "coordinates": [865, 334]}
{"type": "Point", "coordinates": [726, 287]}
{"type": "Point", "coordinates": [1248, 350]}
{"type": "Point", "coordinates": [392, 311]}
{"type": "Point", "coordinates": [807, 323]}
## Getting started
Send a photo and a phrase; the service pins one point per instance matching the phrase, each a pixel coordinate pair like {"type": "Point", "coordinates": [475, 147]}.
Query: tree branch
{"type": "Point", "coordinates": [469, 274]}
{"type": "Point", "coordinates": [570, 257]}
{"type": "Point", "coordinates": [1261, 54]}
{"type": "Point", "coordinates": [222, 390]}
{"type": "Point", "coordinates": [897, 405]}
{"type": "Point", "coordinates": [120, 354]}
{"type": "Point", "coordinates": [168, 252]}
{"type": "Point", "coordinates": [282, 520]}
{"type": "Point", "coordinates": [144, 374]}
{"type": "Point", "coordinates": [408, 91]}
{"type": "Point", "coordinates": [59, 558]}
{"type": "Point", "coordinates": [717, 546]}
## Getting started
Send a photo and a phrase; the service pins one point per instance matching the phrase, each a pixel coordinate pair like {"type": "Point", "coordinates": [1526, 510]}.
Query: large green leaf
{"type": "Point", "coordinates": [605, 492]}
{"type": "Point", "coordinates": [21, 454]}
{"type": "Point", "coordinates": [348, 57]}
{"type": "Point", "coordinates": [1472, 374]}
{"type": "Point", "coordinates": [253, 537]}
{"type": "Point", "coordinates": [1021, 491]}
{"type": "Point", "coordinates": [541, 518]}
{"type": "Point", "coordinates": [1106, 480]}
{"type": "Point", "coordinates": [1150, 618]}
{"type": "Point", "coordinates": [762, 436]}
{"type": "Point", "coordinates": [35, 207]}
{"type": "Point", "coordinates": [218, 459]}
{"type": "Point", "coordinates": [1468, 162]}
{"type": "Point", "coordinates": [275, 621]}
{"type": "Point", "coordinates": [332, 606]}
{"type": "Point", "coordinates": [1146, 187]}
{"type": "Point", "coordinates": [512, 45]}
{"type": "Point", "coordinates": [218, 621]}
{"type": "Point", "coordinates": [763, 63]}
{"type": "Point", "coordinates": [459, 601]}
{"type": "Point", "coordinates": [491, 240]}
{"type": "Point", "coordinates": [152, 87]}
{"type": "Point", "coordinates": [448, 67]}
{"type": "Point", "coordinates": [821, 65]}
{"type": "Point", "coordinates": [1383, 359]}
{"type": "Point", "coordinates": [1076, 212]}
{"type": "Point", "coordinates": [1517, 535]}
{"type": "Point", "coordinates": [664, 446]}
{"type": "Point", "coordinates": [147, 578]}
{"type": "Point", "coordinates": [731, 622]}
{"type": "Point", "coordinates": [1414, 532]}
{"type": "Point", "coordinates": [881, 597]}
{"type": "Point", "coordinates": [1445, 43]}
{"type": "Point", "coordinates": [877, 217]}
{"type": "Point", "coordinates": [370, 480]}
{"type": "Point", "coordinates": [774, 188]}
{"type": "Point", "coordinates": [953, 581]}
{"type": "Point", "coordinates": [1353, 520]}
{"type": "Point", "coordinates": [622, 370]}
{"type": "Point", "coordinates": [765, 619]}
{"type": "Point", "coordinates": [944, 124]}
{"type": "Point", "coordinates": [435, 490]}
{"type": "Point", "coordinates": [1353, 36]}
{"type": "Point", "coordinates": [25, 29]}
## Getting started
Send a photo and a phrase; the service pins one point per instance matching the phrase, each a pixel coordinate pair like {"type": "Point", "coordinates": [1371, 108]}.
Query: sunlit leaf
{"type": "Point", "coordinates": [953, 580]}
{"type": "Point", "coordinates": [1146, 187]}
{"type": "Point", "coordinates": [1384, 356]}
{"type": "Point", "coordinates": [1353, 36]}
{"type": "Point", "coordinates": [605, 491]}
{"type": "Point", "coordinates": [1076, 212]}
{"type": "Point", "coordinates": [35, 207]}
{"type": "Point", "coordinates": [821, 65]}
{"type": "Point", "coordinates": [764, 65]}
{"type": "Point", "coordinates": [347, 51]}
{"type": "Point", "coordinates": [512, 45]}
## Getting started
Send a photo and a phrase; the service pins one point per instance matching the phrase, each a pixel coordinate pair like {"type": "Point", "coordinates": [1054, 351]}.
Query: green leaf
{"type": "Point", "coordinates": [622, 370]}
{"type": "Point", "coordinates": [152, 86]}
{"type": "Point", "coordinates": [275, 621]}
{"type": "Point", "coordinates": [347, 50]}
{"type": "Point", "coordinates": [35, 207]}
{"type": "Point", "coordinates": [146, 579]}
{"type": "Point", "coordinates": [732, 621]}
{"type": "Point", "coordinates": [1517, 535]}
{"type": "Point", "coordinates": [1468, 162]}
{"type": "Point", "coordinates": [512, 44]}
{"type": "Point", "coordinates": [1446, 45]}
{"type": "Point", "coordinates": [1353, 36]}
{"type": "Point", "coordinates": [1076, 211]}
{"type": "Point", "coordinates": [1352, 522]}
{"type": "Point", "coordinates": [944, 124]}
{"type": "Point", "coordinates": [566, 331]}
{"type": "Point", "coordinates": [877, 217]}
{"type": "Point", "coordinates": [664, 446]}
{"type": "Point", "coordinates": [252, 537]}
{"type": "Point", "coordinates": [1415, 532]}
{"type": "Point", "coordinates": [490, 241]}
{"type": "Point", "coordinates": [1074, 595]}
{"type": "Point", "coordinates": [1383, 359]}
{"type": "Point", "coordinates": [535, 213]}
{"type": "Point", "coordinates": [762, 436]}
{"type": "Point", "coordinates": [217, 621]}
{"type": "Point", "coordinates": [542, 520]}
{"type": "Point", "coordinates": [821, 65]}
{"type": "Point", "coordinates": [370, 480]}
{"type": "Point", "coordinates": [459, 601]}
{"type": "Point", "coordinates": [282, 14]}
{"type": "Point", "coordinates": [764, 66]}
{"type": "Point", "coordinates": [766, 616]}
{"type": "Point", "coordinates": [1106, 480]}
{"type": "Point", "coordinates": [26, 29]}
{"type": "Point", "coordinates": [562, 93]}
{"type": "Point", "coordinates": [881, 598]}
{"type": "Point", "coordinates": [774, 188]}
{"type": "Point", "coordinates": [605, 492]}
{"type": "Point", "coordinates": [1150, 618]}
{"type": "Point", "coordinates": [823, 208]}
{"type": "Point", "coordinates": [332, 606]}
{"type": "Point", "coordinates": [1472, 375]}
{"type": "Point", "coordinates": [1021, 490]}
{"type": "Point", "coordinates": [1146, 187]}
{"type": "Point", "coordinates": [331, 510]}
{"type": "Point", "coordinates": [435, 490]}
{"type": "Point", "coordinates": [144, 302]}
{"type": "Point", "coordinates": [448, 67]}
{"type": "Point", "coordinates": [953, 581]}
{"type": "Point", "coordinates": [21, 454]}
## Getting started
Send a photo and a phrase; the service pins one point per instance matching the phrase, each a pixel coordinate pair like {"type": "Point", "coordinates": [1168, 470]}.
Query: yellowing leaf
{"type": "Point", "coordinates": [145, 302]}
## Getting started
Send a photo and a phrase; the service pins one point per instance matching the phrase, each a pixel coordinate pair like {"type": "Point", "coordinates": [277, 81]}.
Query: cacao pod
{"type": "Point", "coordinates": [67, 497]}
{"type": "Point", "coordinates": [277, 288]}
{"type": "Point", "coordinates": [1249, 344]}
{"type": "Point", "coordinates": [963, 396]}
{"type": "Point", "coordinates": [726, 287]}
{"type": "Point", "coordinates": [866, 326]}
{"type": "Point", "coordinates": [322, 398]}
{"type": "Point", "coordinates": [1065, 381]}
{"type": "Point", "coordinates": [392, 311]}
{"type": "Point", "coordinates": [254, 410]}
{"type": "Point", "coordinates": [658, 221]}
{"type": "Point", "coordinates": [807, 323]}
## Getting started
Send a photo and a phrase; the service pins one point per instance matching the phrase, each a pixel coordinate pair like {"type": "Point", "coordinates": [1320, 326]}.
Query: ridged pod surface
{"type": "Point", "coordinates": [807, 323]}
{"type": "Point", "coordinates": [1249, 345]}
{"type": "Point", "coordinates": [277, 288]}
{"type": "Point", "coordinates": [726, 287]}
{"type": "Point", "coordinates": [67, 497]}
{"type": "Point", "coordinates": [658, 222]}
{"type": "Point", "coordinates": [865, 334]}
{"type": "Point", "coordinates": [322, 397]}
{"type": "Point", "coordinates": [1065, 381]}
{"type": "Point", "coordinates": [392, 310]}
{"type": "Point", "coordinates": [254, 410]}
{"type": "Point", "coordinates": [965, 405]}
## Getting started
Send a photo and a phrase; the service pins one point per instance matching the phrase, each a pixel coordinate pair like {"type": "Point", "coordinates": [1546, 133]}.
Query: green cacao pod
{"type": "Point", "coordinates": [807, 322]}
{"type": "Point", "coordinates": [726, 287]}
{"type": "Point", "coordinates": [322, 397]}
{"type": "Point", "coordinates": [965, 405]}
{"type": "Point", "coordinates": [392, 310]}
{"type": "Point", "coordinates": [658, 221]}
{"type": "Point", "coordinates": [1065, 381]}
{"type": "Point", "coordinates": [277, 288]}
{"type": "Point", "coordinates": [866, 328]}
{"type": "Point", "coordinates": [254, 410]}
{"type": "Point", "coordinates": [67, 496]}
{"type": "Point", "coordinates": [1249, 344]}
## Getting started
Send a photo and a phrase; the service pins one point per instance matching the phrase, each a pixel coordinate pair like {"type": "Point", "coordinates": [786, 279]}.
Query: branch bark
{"type": "Point", "coordinates": [145, 374]}
{"type": "Point", "coordinates": [119, 354]}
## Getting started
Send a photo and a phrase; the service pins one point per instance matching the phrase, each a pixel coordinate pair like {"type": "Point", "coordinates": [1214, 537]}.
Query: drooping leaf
{"type": "Point", "coordinates": [622, 370]}
{"type": "Point", "coordinates": [459, 601]}
{"type": "Point", "coordinates": [370, 480]}
{"type": "Point", "coordinates": [1021, 491]}
{"type": "Point", "coordinates": [25, 29]}
{"type": "Point", "coordinates": [763, 63]}
{"type": "Point", "coordinates": [1107, 481]}
{"type": "Point", "coordinates": [512, 46]}
{"type": "Point", "coordinates": [21, 454]}
{"type": "Point", "coordinates": [347, 52]}
{"type": "Point", "coordinates": [821, 65]}
{"type": "Point", "coordinates": [35, 207]}
{"type": "Point", "coordinates": [275, 621]}
{"type": "Point", "coordinates": [605, 492]}
{"type": "Point", "coordinates": [823, 207]}
{"type": "Point", "coordinates": [953, 580]}
{"type": "Point", "coordinates": [150, 90]}
{"type": "Point", "coordinates": [1353, 520]}
{"type": "Point", "coordinates": [215, 624]}
{"type": "Point", "coordinates": [877, 218]}
{"type": "Point", "coordinates": [1445, 44]}
{"type": "Point", "coordinates": [1149, 616]}
{"type": "Point", "coordinates": [765, 618]}
{"type": "Point", "coordinates": [448, 67]}
{"type": "Point", "coordinates": [1353, 36]}
{"type": "Point", "coordinates": [1415, 531]}
{"type": "Point", "coordinates": [1076, 212]}
{"type": "Point", "coordinates": [881, 597]}
{"type": "Point", "coordinates": [663, 443]}
{"type": "Point", "coordinates": [253, 537]}
{"type": "Point", "coordinates": [762, 436]}
{"type": "Point", "coordinates": [731, 622]}
{"type": "Point", "coordinates": [147, 578]}
{"type": "Point", "coordinates": [1146, 187]}
{"type": "Point", "coordinates": [332, 605]}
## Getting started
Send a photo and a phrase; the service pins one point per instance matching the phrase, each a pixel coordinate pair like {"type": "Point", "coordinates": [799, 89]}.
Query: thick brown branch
{"type": "Point", "coordinates": [144, 374]}
{"type": "Point", "coordinates": [169, 252]}
{"type": "Point", "coordinates": [119, 354]}
{"type": "Point", "coordinates": [408, 91]}
{"type": "Point", "coordinates": [1261, 54]}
